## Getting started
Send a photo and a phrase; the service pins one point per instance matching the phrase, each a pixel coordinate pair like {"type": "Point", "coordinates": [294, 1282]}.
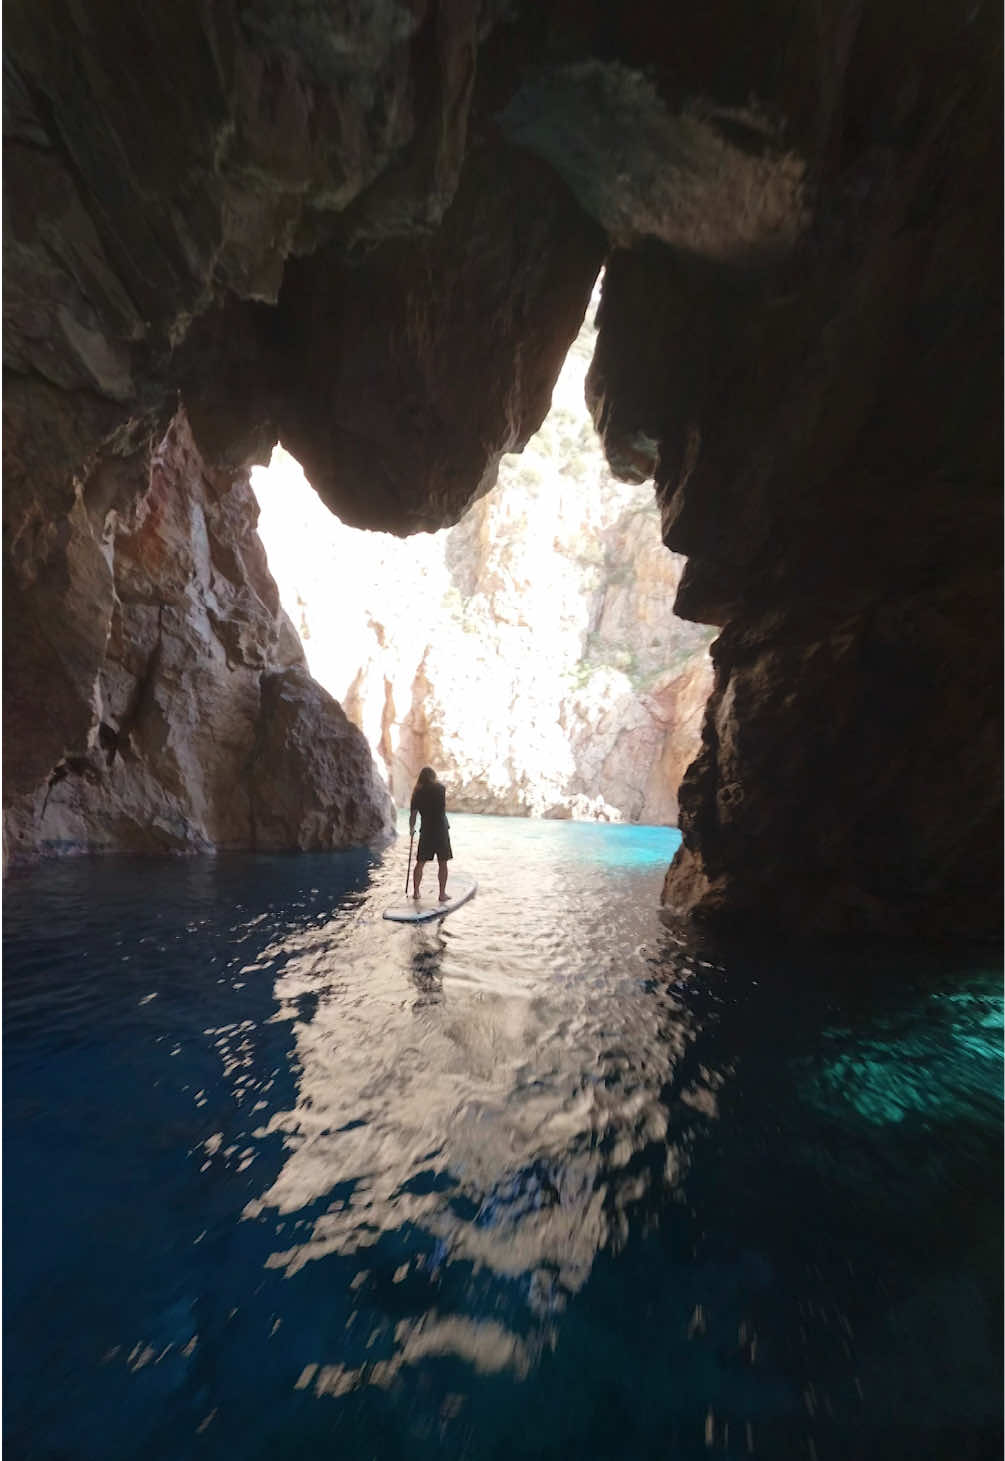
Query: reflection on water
{"type": "Point", "coordinates": [518, 1099]}
{"type": "Point", "coordinates": [535, 1181]}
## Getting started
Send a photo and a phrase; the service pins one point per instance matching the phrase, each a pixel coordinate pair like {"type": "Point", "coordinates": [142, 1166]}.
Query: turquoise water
{"type": "Point", "coordinates": [285, 1180]}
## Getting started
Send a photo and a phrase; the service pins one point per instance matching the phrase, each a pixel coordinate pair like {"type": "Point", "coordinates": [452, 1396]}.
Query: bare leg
{"type": "Point", "coordinates": [417, 878]}
{"type": "Point", "coordinates": [442, 873]}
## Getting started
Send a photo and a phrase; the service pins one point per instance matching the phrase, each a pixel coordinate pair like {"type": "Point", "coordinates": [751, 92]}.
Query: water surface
{"type": "Point", "coordinates": [285, 1180]}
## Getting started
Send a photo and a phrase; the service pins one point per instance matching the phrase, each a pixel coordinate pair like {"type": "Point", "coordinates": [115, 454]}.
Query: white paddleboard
{"type": "Point", "coordinates": [460, 888]}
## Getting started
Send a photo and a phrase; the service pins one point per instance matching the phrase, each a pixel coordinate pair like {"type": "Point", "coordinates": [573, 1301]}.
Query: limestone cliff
{"type": "Point", "coordinates": [531, 653]}
{"type": "Point", "coordinates": [206, 729]}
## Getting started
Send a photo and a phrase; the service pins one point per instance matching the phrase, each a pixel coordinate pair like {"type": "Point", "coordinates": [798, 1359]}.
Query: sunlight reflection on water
{"type": "Point", "coordinates": [498, 1108]}
{"type": "Point", "coordinates": [269, 1151]}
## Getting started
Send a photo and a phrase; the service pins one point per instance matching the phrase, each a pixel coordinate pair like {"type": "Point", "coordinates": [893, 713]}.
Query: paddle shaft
{"type": "Point", "coordinates": [411, 839]}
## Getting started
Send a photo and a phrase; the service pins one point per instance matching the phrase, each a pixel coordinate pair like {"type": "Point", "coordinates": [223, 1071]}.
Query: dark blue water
{"type": "Point", "coordinates": [283, 1180]}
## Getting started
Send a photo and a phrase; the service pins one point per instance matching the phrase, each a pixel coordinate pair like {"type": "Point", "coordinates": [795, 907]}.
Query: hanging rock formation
{"type": "Point", "coordinates": [372, 232]}
{"type": "Point", "coordinates": [530, 653]}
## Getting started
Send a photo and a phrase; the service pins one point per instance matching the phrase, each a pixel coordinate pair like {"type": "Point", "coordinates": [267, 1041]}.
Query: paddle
{"type": "Point", "coordinates": [411, 839]}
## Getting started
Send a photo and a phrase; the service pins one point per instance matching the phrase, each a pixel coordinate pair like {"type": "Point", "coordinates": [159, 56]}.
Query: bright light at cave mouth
{"type": "Point", "coordinates": [530, 653]}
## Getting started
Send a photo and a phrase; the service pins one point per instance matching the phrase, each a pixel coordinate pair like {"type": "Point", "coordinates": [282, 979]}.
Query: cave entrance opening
{"type": "Point", "coordinates": [530, 653]}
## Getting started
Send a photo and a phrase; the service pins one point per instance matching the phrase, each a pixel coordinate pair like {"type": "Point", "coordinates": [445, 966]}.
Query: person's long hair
{"type": "Point", "coordinates": [425, 777]}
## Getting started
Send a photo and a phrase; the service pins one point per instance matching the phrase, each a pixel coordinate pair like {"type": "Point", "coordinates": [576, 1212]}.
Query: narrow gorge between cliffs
{"type": "Point", "coordinates": [530, 653]}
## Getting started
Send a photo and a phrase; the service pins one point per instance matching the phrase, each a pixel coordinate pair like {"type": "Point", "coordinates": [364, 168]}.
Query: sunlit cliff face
{"type": "Point", "coordinates": [531, 653]}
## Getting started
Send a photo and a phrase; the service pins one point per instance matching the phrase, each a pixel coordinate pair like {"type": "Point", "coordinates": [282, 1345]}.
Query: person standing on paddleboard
{"type": "Point", "coordinates": [429, 801]}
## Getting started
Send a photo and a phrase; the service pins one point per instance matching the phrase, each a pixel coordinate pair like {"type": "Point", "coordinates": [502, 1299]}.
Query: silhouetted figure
{"type": "Point", "coordinates": [429, 801]}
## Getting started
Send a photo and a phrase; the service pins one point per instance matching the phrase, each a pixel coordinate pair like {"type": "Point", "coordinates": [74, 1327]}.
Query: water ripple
{"type": "Point", "coordinates": [270, 1155]}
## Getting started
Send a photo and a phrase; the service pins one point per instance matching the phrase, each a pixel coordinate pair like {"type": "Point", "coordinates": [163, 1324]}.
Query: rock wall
{"type": "Point", "coordinates": [825, 435]}
{"type": "Point", "coordinates": [206, 730]}
{"type": "Point", "coordinates": [372, 232]}
{"type": "Point", "coordinates": [271, 224]}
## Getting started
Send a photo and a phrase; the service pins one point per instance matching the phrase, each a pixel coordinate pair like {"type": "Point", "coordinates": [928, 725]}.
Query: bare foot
{"type": "Point", "coordinates": [444, 898]}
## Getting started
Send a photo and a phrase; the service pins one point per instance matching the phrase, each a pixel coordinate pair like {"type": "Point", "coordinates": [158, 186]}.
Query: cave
{"type": "Point", "coordinates": [372, 236]}
{"type": "Point", "coordinates": [651, 1140]}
